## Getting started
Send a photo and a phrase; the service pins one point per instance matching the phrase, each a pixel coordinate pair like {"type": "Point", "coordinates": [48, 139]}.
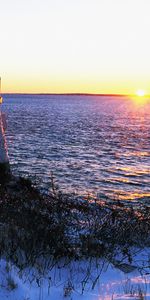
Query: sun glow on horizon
{"type": "Point", "coordinates": [140, 93]}
{"type": "Point", "coordinates": [141, 97]}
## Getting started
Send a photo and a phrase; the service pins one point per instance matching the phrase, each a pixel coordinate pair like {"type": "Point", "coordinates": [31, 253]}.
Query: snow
{"type": "Point", "coordinates": [88, 279]}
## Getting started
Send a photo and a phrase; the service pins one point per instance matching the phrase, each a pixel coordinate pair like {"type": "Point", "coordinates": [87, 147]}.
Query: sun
{"type": "Point", "coordinates": [140, 93]}
{"type": "Point", "coordinates": [140, 97]}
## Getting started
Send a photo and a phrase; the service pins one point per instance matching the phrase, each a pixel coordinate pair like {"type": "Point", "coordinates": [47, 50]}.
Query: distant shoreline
{"type": "Point", "coordinates": [69, 94]}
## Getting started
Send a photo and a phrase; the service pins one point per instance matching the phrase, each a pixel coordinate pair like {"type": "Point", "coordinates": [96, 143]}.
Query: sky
{"type": "Point", "coordinates": [75, 46]}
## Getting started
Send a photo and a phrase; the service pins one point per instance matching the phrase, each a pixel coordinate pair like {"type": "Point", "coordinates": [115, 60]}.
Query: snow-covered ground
{"type": "Point", "coordinates": [78, 280]}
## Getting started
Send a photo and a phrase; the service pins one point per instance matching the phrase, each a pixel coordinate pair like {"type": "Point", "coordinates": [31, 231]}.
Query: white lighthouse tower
{"type": "Point", "coordinates": [4, 161]}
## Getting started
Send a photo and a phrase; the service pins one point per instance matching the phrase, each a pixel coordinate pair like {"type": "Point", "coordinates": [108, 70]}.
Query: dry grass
{"type": "Point", "coordinates": [61, 225]}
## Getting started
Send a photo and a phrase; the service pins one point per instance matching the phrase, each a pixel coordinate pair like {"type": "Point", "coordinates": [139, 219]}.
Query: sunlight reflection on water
{"type": "Point", "coordinates": [92, 144]}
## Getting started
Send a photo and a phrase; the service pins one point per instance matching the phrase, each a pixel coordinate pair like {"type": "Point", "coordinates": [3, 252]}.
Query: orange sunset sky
{"type": "Point", "coordinates": [75, 46]}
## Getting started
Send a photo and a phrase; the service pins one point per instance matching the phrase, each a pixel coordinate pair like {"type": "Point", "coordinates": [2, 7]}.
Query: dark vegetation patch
{"type": "Point", "coordinates": [33, 224]}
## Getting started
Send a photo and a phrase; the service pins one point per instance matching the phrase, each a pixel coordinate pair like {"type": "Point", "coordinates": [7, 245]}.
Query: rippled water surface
{"type": "Point", "coordinates": [93, 144]}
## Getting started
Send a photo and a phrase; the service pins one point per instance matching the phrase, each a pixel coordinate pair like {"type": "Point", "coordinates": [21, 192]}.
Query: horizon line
{"type": "Point", "coordinates": [76, 94]}
{"type": "Point", "coordinates": [69, 94]}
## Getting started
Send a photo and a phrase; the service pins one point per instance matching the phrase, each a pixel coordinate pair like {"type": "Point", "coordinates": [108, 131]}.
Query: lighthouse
{"type": "Point", "coordinates": [4, 160]}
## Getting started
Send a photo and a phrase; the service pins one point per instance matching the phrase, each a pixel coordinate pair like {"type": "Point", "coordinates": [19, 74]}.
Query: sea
{"type": "Point", "coordinates": [93, 146]}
